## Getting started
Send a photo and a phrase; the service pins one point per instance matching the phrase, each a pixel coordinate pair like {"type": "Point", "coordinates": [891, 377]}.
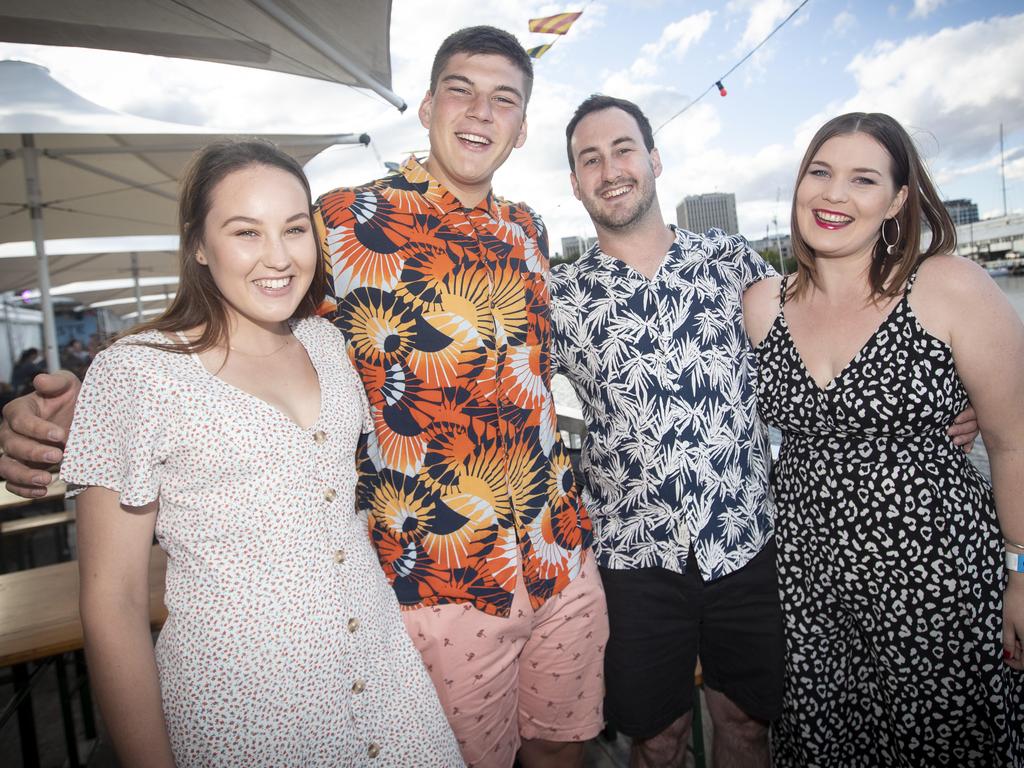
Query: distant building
{"type": "Point", "coordinates": [575, 246]}
{"type": "Point", "coordinates": [699, 213]}
{"type": "Point", "coordinates": [993, 239]}
{"type": "Point", "coordinates": [774, 244]}
{"type": "Point", "coordinates": [962, 211]}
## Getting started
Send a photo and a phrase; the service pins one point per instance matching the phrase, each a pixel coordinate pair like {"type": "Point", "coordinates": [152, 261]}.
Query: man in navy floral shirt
{"type": "Point", "coordinates": [648, 327]}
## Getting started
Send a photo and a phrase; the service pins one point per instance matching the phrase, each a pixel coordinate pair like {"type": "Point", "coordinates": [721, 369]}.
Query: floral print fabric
{"type": "Point", "coordinates": [445, 310]}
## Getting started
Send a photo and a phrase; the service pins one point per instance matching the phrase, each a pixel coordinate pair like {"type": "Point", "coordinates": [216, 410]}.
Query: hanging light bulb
{"type": "Point", "coordinates": [721, 88]}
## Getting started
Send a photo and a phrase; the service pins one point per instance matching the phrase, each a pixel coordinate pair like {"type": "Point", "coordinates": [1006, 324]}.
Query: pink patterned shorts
{"type": "Point", "coordinates": [534, 675]}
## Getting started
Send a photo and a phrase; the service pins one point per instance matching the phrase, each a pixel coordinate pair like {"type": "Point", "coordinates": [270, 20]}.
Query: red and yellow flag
{"type": "Point", "coordinates": [540, 50]}
{"type": "Point", "coordinates": [554, 25]}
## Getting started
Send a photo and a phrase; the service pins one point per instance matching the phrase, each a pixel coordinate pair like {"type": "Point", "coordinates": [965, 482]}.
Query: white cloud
{"type": "Point", "coordinates": [763, 17]}
{"type": "Point", "coordinates": [923, 8]}
{"type": "Point", "coordinates": [675, 39]}
{"type": "Point", "coordinates": [843, 22]}
{"type": "Point", "coordinates": [961, 105]}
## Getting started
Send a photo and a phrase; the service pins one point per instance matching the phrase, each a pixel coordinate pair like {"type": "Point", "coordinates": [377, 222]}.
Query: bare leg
{"type": "Point", "coordinates": [666, 750]}
{"type": "Point", "coordinates": [541, 753]}
{"type": "Point", "coordinates": [740, 740]}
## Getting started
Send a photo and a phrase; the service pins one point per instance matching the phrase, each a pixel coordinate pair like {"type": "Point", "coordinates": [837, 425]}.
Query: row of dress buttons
{"type": "Point", "coordinates": [320, 437]}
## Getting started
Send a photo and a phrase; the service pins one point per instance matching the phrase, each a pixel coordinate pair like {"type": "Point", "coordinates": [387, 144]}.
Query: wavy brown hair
{"type": "Point", "coordinates": [198, 302]}
{"type": "Point", "coordinates": [887, 274]}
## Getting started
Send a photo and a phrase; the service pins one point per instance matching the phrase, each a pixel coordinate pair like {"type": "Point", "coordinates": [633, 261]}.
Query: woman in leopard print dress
{"type": "Point", "coordinates": [903, 629]}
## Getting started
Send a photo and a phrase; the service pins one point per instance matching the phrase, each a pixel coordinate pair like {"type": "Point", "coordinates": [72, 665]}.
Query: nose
{"type": "Point", "coordinates": [276, 255]}
{"type": "Point", "coordinates": [835, 190]}
{"type": "Point", "coordinates": [480, 108]}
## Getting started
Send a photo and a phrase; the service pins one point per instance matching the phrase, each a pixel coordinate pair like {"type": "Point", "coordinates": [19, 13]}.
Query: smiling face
{"type": "Point", "coordinates": [475, 116]}
{"type": "Point", "coordinates": [258, 244]}
{"type": "Point", "coordinates": [845, 195]}
{"type": "Point", "coordinates": [615, 174]}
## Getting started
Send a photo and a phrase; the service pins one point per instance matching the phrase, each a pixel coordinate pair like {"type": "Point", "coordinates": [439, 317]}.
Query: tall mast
{"type": "Point", "coordinates": [1002, 167]}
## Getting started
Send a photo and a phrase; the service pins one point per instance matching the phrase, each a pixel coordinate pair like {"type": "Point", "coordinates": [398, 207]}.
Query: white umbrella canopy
{"type": "Point", "coordinates": [70, 168]}
{"type": "Point", "coordinates": [70, 271]}
{"type": "Point", "coordinates": [344, 41]}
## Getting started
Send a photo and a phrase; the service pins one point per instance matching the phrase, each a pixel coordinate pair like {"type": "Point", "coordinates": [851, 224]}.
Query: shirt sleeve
{"type": "Point", "coordinates": [752, 266]}
{"type": "Point", "coordinates": [117, 434]}
{"type": "Point", "coordinates": [557, 332]}
{"type": "Point", "coordinates": [329, 306]}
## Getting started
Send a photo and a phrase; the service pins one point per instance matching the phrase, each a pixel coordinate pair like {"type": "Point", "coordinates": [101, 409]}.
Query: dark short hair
{"type": "Point", "coordinates": [923, 204]}
{"type": "Point", "coordinates": [479, 40]}
{"type": "Point", "coordinates": [597, 102]}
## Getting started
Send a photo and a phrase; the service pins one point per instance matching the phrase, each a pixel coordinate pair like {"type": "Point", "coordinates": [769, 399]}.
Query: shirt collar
{"type": "Point", "coordinates": [441, 197]}
{"type": "Point", "coordinates": [621, 269]}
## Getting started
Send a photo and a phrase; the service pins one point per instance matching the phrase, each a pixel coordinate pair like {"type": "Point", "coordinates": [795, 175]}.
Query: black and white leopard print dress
{"type": "Point", "coordinates": [890, 563]}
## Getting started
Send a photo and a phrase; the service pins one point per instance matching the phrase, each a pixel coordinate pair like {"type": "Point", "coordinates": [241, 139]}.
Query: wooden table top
{"type": "Point", "coordinates": [39, 609]}
{"type": "Point", "coordinates": [8, 500]}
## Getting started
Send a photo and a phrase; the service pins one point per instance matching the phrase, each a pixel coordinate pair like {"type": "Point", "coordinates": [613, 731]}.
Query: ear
{"type": "Point", "coordinates": [575, 185]}
{"type": "Point", "coordinates": [656, 162]}
{"type": "Point", "coordinates": [521, 138]}
{"type": "Point", "coordinates": [898, 201]}
{"type": "Point", "coordinates": [424, 110]}
{"type": "Point", "coordinates": [201, 256]}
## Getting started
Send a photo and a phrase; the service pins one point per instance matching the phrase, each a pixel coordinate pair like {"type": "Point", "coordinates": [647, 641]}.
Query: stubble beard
{"type": "Point", "coordinates": [625, 219]}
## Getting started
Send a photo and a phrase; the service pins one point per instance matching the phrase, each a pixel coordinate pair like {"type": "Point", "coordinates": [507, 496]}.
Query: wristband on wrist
{"type": "Point", "coordinates": [1015, 546]}
{"type": "Point", "coordinates": [1015, 562]}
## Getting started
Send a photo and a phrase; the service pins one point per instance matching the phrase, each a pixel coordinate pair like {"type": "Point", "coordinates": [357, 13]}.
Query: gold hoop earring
{"type": "Point", "coordinates": [890, 248]}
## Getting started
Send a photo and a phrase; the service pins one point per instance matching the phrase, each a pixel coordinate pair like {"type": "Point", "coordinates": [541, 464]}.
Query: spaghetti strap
{"type": "Point", "coordinates": [908, 286]}
{"type": "Point", "coordinates": [782, 291]}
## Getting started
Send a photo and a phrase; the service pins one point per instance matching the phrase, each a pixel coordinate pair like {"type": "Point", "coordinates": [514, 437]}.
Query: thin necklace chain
{"type": "Point", "coordinates": [268, 354]}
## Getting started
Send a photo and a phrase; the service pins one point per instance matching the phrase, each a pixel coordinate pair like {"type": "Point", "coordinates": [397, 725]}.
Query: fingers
{"type": "Point", "coordinates": [22, 420]}
{"type": "Point", "coordinates": [54, 384]}
{"type": "Point", "coordinates": [24, 480]}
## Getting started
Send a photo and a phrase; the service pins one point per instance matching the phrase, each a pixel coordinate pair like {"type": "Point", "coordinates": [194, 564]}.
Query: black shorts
{"type": "Point", "coordinates": [660, 621]}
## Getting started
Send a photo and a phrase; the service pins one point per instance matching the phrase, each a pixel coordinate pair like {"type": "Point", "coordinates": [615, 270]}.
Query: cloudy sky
{"type": "Point", "coordinates": [950, 70]}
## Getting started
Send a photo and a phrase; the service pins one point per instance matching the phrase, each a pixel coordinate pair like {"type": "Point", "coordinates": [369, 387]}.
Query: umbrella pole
{"type": "Point", "coordinates": [30, 156]}
{"type": "Point", "coordinates": [138, 287]}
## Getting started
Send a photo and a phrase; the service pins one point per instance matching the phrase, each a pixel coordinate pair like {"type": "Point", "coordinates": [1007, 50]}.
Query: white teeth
{"type": "Point", "coordinates": [281, 282]}
{"type": "Point", "coordinates": [835, 218]}
{"type": "Point", "coordinates": [473, 138]}
{"type": "Point", "coordinates": [616, 192]}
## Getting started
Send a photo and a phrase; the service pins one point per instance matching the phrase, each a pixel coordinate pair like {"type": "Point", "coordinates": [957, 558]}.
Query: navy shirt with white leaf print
{"type": "Point", "coordinates": [675, 454]}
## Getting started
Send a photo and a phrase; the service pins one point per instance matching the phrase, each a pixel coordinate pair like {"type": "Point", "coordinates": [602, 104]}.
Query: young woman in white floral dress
{"type": "Point", "coordinates": [227, 427]}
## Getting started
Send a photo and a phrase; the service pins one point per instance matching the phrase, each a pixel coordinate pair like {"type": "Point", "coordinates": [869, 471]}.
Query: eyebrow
{"type": "Point", "coordinates": [855, 170]}
{"type": "Point", "coordinates": [467, 81]}
{"type": "Point", "coordinates": [250, 220]}
{"type": "Point", "coordinates": [615, 143]}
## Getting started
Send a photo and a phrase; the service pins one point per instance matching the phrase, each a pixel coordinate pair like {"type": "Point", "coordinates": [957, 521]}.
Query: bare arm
{"type": "Point", "coordinates": [760, 308]}
{"type": "Point", "coordinates": [34, 430]}
{"type": "Point", "coordinates": [987, 339]}
{"type": "Point", "coordinates": [114, 550]}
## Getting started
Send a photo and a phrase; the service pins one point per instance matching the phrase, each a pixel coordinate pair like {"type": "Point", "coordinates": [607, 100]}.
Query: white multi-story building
{"type": "Point", "coordinates": [714, 210]}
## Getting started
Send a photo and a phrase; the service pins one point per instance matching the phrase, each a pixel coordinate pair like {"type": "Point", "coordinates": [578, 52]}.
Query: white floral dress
{"type": "Point", "coordinates": [283, 644]}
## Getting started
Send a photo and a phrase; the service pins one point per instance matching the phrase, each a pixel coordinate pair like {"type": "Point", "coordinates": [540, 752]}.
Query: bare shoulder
{"type": "Point", "coordinates": [760, 307]}
{"type": "Point", "coordinates": [953, 294]}
{"type": "Point", "coordinates": [954, 278]}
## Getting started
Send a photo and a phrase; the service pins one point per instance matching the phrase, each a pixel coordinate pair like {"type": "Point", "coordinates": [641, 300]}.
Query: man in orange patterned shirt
{"type": "Point", "coordinates": [440, 288]}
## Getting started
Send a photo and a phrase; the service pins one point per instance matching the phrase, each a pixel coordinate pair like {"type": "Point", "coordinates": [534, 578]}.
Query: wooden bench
{"type": "Point", "coordinates": [56, 520]}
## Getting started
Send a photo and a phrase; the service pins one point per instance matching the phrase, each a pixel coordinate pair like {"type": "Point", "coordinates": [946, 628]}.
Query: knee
{"type": "Point", "coordinates": [732, 723]}
{"type": "Point", "coordinates": [666, 747]}
{"type": "Point", "coordinates": [735, 725]}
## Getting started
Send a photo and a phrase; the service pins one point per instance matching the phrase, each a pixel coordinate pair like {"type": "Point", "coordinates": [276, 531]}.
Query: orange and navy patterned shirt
{"type": "Point", "coordinates": [446, 312]}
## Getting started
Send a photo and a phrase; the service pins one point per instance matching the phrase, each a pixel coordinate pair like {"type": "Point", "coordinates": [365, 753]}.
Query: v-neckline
{"type": "Point", "coordinates": [834, 381]}
{"type": "Point", "coordinates": [266, 404]}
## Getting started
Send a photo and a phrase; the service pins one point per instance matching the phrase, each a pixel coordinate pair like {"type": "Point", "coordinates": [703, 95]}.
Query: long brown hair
{"type": "Point", "coordinates": [198, 302]}
{"type": "Point", "coordinates": [887, 274]}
